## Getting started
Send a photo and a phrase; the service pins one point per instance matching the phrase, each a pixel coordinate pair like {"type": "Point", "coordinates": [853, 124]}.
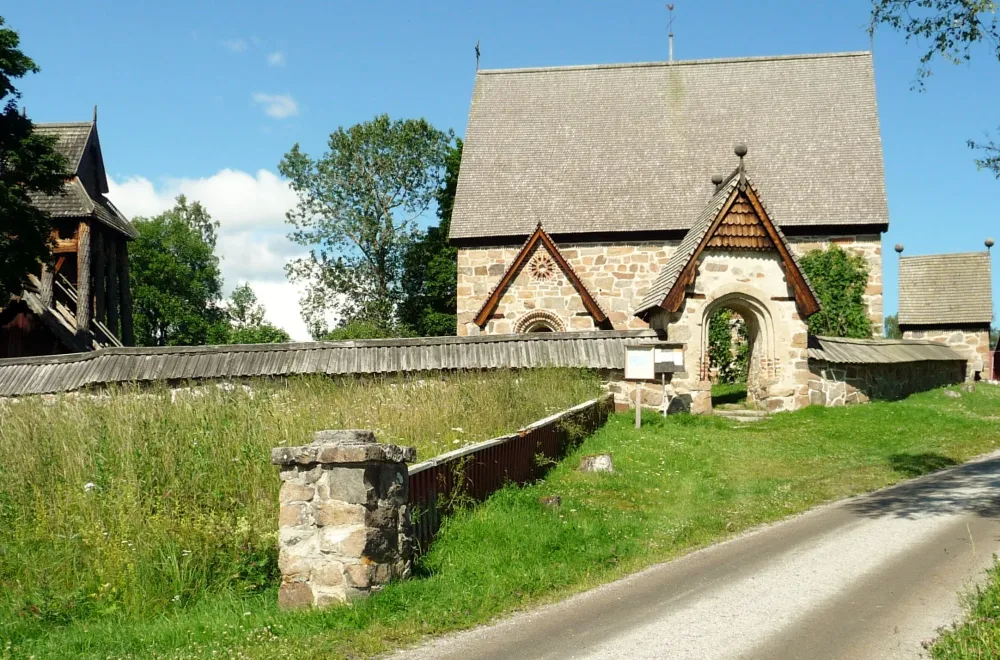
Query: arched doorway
{"type": "Point", "coordinates": [748, 322]}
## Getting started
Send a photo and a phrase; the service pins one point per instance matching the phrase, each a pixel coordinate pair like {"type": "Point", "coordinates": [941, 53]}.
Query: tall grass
{"type": "Point", "coordinates": [140, 502]}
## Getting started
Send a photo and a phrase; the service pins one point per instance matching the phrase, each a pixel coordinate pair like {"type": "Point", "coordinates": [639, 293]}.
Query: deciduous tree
{"type": "Point", "coordinates": [29, 164]}
{"type": "Point", "coordinates": [246, 320]}
{"type": "Point", "coordinates": [357, 210]}
{"type": "Point", "coordinates": [176, 282]}
{"type": "Point", "coordinates": [890, 327]}
{"type": "Point", "coordinates": [951, 30]}
{"type": "Point", "coordinates": [430, 267]}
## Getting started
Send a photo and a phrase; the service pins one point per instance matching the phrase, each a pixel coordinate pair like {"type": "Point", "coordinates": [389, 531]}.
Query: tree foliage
{"type": "Point", "coordinates": [361, 329]}
{"type": "Point", "coordinates": [357, 210]}
{"type": "Point", "coordinates": [176, 282]}
{"type": "Point", "coordinates": [430, 266]}
{"type": "Point", "coordinates": [246, 320]}
{"type": "Point", "coordinates": [840, 280]}
{"type": "Point", "coordinates": [890, 327]}
{"type": "Point", "coordinates": [29, 164]}
{"type": "Point", "coordinates": [732, 359]}
{"type": "Point", "coordinates": [950, 30]}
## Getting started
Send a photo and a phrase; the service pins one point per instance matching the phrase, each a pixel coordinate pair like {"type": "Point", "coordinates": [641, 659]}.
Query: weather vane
{"type": "Point", "coordinates": [477, 54]}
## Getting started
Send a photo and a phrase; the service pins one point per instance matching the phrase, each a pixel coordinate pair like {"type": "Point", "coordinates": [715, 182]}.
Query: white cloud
{"type": "Point", "coordinates": [253, 245]}
{"type": "Point", "coordinates": [278, 106]}
{"type": "Point", "coordinates": [277, 58]}
{"type": "Point", "coordinates": [235, 45]}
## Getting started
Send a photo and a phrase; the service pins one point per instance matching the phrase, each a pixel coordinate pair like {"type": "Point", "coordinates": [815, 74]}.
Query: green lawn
{"type": "Point", "coordinates": [680, 483]}
{"type": "Point", "coordinates": [978, 637]}
{"type": "Point", "coordinates": [729, 395]}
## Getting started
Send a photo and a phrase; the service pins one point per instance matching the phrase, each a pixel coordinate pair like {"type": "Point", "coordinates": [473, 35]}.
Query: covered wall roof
{"type": "Point", "coordinates": [945, 289]}
{"type": "Point", "coordinates": [842, 350]}
{"type": "Point", "coordinates": [633, 147]}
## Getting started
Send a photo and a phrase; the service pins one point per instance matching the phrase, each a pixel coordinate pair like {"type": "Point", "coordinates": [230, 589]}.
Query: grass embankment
{"type": "Point", "coordinates": [128, 506]}
{"type": "Point", "coordinates": [681, 483]}
{"type": "Point", "coordinates": [978, 637]}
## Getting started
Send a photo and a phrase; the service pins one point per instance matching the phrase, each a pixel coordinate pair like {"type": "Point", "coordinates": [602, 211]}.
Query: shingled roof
{"type": "Point", "coordinates": [615, 148]}
{"type": "Point", "coordinates": [945, 289]}
{"type": "Point", "coordinates": [72, 139]}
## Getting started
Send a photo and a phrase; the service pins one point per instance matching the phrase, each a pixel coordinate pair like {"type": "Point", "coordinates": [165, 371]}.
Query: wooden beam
{"type": "Point", "coordinates": [112, 276]}
{"type": "Point", "coordinates": [84, 295]}
{"type": "Point", "coordinates": [47, 282]}
{"type": "Point", "coordinates": [100, 277]}
{"type": "Point", "coordinates": [128, 336]}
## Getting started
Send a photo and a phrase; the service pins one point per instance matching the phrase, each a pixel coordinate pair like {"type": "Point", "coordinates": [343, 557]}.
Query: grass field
{"type": "Point", "coordinates": [135, 505]}
{"type": "Point", "coordinates": [978, 636]}
{"type": "Point", "coordinates": [680, 483]}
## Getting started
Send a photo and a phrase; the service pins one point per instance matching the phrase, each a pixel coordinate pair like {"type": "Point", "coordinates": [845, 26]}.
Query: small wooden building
{"type": "Point", "coordinates": [90, 262]}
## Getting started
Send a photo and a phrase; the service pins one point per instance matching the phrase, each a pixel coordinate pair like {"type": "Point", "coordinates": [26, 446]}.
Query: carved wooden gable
{"type": "Point", "coordinates": [741, 228]}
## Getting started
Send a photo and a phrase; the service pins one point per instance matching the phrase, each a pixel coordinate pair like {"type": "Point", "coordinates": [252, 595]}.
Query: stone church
{"type": "Point", "coordinates": [638, 196]}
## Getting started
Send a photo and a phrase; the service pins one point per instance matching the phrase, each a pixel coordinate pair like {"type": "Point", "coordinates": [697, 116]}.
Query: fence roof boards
{"type": "Point", "coordinates": [106, 366]}
{"type": "Point", "coordinates": [878, 351]}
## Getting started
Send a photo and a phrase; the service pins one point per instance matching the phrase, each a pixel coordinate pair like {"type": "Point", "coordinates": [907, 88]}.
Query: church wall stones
{"type": "Point", "coordinates": [616, 273]}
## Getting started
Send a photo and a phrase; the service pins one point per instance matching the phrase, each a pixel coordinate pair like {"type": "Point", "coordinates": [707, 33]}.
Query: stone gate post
{"type": "Point", "coordinates": [344, 521]}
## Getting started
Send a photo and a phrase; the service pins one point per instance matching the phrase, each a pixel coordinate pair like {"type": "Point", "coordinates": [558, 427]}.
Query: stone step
{"type": "Point", "coordinates": [742, 415]}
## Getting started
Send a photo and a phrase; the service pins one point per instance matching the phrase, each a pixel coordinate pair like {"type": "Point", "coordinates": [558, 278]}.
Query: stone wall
{"type": "Point", "coordinates": [971, 343]}
{"type": "Point", "coordinates": [343, 522]}
{"type": "Point", "coordinates": [868, 246]}
{"type": "Point", "coordinates": [834, 385]}
{"type": "Point", "coordinates": [616, 273]}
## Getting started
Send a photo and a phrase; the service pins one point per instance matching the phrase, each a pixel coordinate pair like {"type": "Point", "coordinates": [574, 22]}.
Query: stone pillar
{"type": "Point", "coordinates": [344, 521]}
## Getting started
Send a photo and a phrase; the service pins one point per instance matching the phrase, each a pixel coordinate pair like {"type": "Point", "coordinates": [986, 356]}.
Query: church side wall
{"type": "Point", "coordinates": [616, 273]}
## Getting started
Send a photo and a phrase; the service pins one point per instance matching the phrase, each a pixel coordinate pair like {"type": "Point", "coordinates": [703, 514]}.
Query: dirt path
{"type": "Point", "coordinates": [871, 577]}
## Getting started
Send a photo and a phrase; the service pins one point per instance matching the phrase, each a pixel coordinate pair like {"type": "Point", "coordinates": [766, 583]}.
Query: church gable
{"type": "Point", "coordinates": [539, 282]}
{"type": "Point", "coordinates": [735, 219]}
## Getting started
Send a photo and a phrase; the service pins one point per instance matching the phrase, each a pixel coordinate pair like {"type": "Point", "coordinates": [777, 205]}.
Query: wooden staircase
{"type": "Point", "coordinates": [61, 313]}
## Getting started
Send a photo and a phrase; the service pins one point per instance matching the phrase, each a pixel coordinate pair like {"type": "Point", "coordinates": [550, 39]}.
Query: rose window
{"type": "Point", "coordinates": [542, 268]}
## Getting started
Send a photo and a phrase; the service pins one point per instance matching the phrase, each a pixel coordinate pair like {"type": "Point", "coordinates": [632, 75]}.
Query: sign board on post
{"type": "Point", "coordinates": [645, 361]}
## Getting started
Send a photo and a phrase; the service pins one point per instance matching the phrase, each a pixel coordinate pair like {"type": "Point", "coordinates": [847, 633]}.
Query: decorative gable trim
{"type": "Point", "coordinates": [743, 208]}
{"type": "Point", "coordinates": [539, 236]}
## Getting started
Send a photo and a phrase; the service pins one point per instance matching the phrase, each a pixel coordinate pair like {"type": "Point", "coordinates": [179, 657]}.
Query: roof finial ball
{"type": "Point", "coordinates": [717, 180]}
{"type": "Point", "coordinates": [989, 244]}
{"type": "Point", "coordinates": [899, 248]}
{"type": "Point", "coordinates": [740, 150]}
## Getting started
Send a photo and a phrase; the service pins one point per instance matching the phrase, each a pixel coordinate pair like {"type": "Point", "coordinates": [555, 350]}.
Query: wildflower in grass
{"type": "Point", "coordinates": [89, 486]}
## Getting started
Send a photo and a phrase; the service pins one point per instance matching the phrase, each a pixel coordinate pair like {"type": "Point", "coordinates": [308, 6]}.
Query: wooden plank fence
{"type": "Point", "coordinates": [474, 473]}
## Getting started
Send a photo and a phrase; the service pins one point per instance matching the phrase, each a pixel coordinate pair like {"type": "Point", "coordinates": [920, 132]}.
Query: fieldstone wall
{"type": "Point", "coordinates": [868, 246]}
{"type": "Point", "coordinates": [617, 274]}
{"type": "Point", "coordinates": [971, 343]}
{"type": "Point", "coordinates": [833, 385]}
{"type": "Point", "coordinates": [344, 521]}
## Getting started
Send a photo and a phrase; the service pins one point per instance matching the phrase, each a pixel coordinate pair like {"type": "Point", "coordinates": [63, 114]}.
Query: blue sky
{"type": "Point", "coordinates": [205, 97]}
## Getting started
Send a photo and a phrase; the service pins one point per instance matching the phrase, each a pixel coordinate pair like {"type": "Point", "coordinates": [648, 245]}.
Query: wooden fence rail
{"type": "Point", "coordinates": [474, 473]}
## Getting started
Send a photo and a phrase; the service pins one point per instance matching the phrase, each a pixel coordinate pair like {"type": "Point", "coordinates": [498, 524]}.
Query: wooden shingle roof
{"type": "Point", "coordinates": [633, 147]}
{"type": "Point", "coordinates": [841, 350]}
{"type": "Point", "coordinates": [72, 140]}
{"type": "Point", "coordinates": [945, 289]}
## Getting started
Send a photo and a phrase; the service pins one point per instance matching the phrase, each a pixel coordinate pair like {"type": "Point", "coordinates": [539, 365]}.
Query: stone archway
{"type": "Point", "coordinates": [760, 326]}
{"type": "Point", "coordinates": [539, 320]}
